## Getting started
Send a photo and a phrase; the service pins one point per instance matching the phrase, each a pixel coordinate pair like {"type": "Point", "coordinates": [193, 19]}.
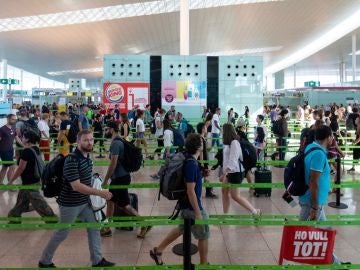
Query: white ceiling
{"type": "Point", "coordinates": [284, 27]}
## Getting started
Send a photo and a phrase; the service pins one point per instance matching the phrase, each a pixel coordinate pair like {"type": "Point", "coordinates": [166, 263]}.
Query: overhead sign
{"type": "Point", "coordinates": [9, 81]}
{"type": "Point", "coordinates": [312, 84]}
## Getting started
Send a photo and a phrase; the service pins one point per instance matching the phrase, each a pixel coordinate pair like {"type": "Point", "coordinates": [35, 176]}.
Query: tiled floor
{"type": "Point", "coordinates": [228, 244]}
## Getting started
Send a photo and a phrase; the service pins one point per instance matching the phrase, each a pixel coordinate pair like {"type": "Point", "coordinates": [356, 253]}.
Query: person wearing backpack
{"type": "Point", "coordinates": [233, 170]}
{"type": "Point", "coordinates": [240, 131]}
{"type": "Point", "coordinates": [74, 202]}
{"type": "Point", "coordinates": [168, 144]}
{"type": "Point", "coordinates": [356, 143]}
{"type": "Point", "coordinates": [28, 170]}
{"type": "Point", "coordinates": [119, 176]}
{"type": "Point", "coordinates": [193, 207]}
{"type": "Point", "coordinates": [317, 177]}
{"type": "Point", "coordinates": [281, 131]}
{"type": "Point", "coordinates": [201, 129]}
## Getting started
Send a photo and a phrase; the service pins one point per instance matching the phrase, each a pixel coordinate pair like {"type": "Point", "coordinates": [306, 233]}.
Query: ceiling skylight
{"type": "Point", "coordinates": [244, 51]}
{"type": "Point", "coordinates": [75, 71]}
{"type": "Point", "coordinates": [111, 13]}
{"type": "Point", "coordinates": [342, 29]}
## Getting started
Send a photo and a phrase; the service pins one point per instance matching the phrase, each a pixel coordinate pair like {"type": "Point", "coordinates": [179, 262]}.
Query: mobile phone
{"type": "Point", "coordinates": [289, 199]}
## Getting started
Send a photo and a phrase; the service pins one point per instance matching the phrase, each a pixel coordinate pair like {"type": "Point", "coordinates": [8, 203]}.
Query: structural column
{"type": "Point", "coordinates": [184, 27]}
{"type": "Point", "coordinates": [4, 76]}
{"type": "Point", "coordinates": [342, 71]}
{"type": "Point", "coordinates": [354, 57]}
{"type": "Point", "coordinates": [279, 79]}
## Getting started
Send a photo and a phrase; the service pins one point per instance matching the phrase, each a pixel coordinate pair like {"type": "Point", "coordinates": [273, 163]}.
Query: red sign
{"type": "Point", "coordinates": [306, 245]}
{"type": "Point", "coordinates": [126, 95]}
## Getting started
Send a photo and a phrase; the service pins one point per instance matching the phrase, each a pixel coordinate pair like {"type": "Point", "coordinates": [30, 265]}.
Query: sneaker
{"type": "Point", "coordinates": [105, 232]}
{"type": "Point", "coordinates": [332, 172]}
{"type": "Point", "coordinates": [211, 195]}
{"type": "Point", "coordinates": [155, 177]}
{"type": "Point", "coordinates": [42, 265]}
{"type": "Point", "coordinates": [351, 170]}
{"type": "Point", "coordinates": [144, 231]}
{"type": "Point", "coordinates": [104, 263]}
{"type": "Point", "coordinates": [156, 256]}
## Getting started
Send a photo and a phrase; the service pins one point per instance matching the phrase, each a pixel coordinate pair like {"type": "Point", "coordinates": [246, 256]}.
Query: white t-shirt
{"type": "Point", "coordinates": [43, 127]}
{"type": "Point", "coordinates": [159, 131]}
{"type": "Point", "coordinates": [214, 129]}
{"type": "Point", "coordinates": [140, 127]}
{"type": "Point", "coordinates": [231, 155]}
{"type": "Point", "coordinates": [168, 138]}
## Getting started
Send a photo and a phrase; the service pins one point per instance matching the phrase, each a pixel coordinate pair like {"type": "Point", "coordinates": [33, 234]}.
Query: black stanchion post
{"type": "Point", "coordinates": [337, 204]}
{"type": "Point", "coordinates": [187, 244]}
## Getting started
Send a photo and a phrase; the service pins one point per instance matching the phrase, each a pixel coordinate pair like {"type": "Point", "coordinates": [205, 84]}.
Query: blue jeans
{"type": "Point", "coordinates": [215, 139]}
{"type": "Point", "coordinates": [282, 151]}
{"type": "Point", "coordinates": [304, 216]}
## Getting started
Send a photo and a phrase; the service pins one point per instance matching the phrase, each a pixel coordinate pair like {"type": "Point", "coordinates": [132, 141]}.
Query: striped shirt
{"type": "Point", "coordinates": [75, 168]}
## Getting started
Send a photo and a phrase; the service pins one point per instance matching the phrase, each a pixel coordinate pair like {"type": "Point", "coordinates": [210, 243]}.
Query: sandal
{"type": "Point", "coordinates": [156, 256]}
{"type": "Point", "coordinates": [258, 214]}
{"type": "Point", "coordinates": [144, 231]}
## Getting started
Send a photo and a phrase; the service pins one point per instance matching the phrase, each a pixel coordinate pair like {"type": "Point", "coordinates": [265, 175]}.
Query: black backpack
{"type": "Point", "coordinates": [133, 158]}
{"type": "Point", "coordinates": [277, 127]}
{"type": "Point", "coordinates": [350, 122]}
{"type": "Point", "coordinates": [74, 129]}
{"type": "Point", "coordinates": [52, 176]}
{"type": "Point", "coordinates": [249, 154]}
{"type": "Point", "coordinates": [294, 174]}
{"type": "Point", "coordinates": [153, 127]}
{"type": "Point", "coordinates": [190, 129]}
{"type": "Point", "coordinates": [30, 125]}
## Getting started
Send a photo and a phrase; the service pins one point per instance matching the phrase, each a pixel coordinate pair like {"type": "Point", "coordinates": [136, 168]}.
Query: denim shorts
{"type": "Point", "coordinates": [140, 135]}
{"type": "Point", "coordinates": [200, 232]}
{"type": "Point", "coordinates": [7, 156]}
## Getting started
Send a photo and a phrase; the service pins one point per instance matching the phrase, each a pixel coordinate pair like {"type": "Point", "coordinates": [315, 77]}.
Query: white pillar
{"type": "Point", "coordinates": [294, 76]}
{"type": "Point", "coordinates": [354, 56]}
{"type": "Point", "coordinates": [342, 69]}
{"type": "Point", "coordinates": [4, 75]}
{"type": "Point", "coordinates": [184, 27]}
{"type": "Point", "coordinates": [21, 79]}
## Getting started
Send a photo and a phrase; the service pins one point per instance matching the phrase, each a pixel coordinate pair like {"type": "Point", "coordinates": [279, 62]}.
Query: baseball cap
{"type": "Point", "coordinates": [113, 125]}
{"type": "Point", "coordinates": [240, 122]}
{"type": "Point", "coordinates": [23, 111]}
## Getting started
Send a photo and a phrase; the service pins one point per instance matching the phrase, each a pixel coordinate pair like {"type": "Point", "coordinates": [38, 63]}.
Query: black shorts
{"type": "Point", "coordinates": [235, 178]}
{"type": "Point", "coordinates": [7, 155]}
{"type": "Point", "coordinates": [121, 196]}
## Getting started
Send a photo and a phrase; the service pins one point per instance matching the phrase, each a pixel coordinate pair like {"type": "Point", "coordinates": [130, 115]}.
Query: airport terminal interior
{"type": "Point", "coordinates": [180, 134]}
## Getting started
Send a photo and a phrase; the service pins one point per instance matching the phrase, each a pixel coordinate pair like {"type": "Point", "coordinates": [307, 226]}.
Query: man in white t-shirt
{"type": "Point", "coordinates": [140, 132]}
{"type": "Point", "coordinates": [45, 136]}
{"type": "Point", "coordinates": [215, 128]}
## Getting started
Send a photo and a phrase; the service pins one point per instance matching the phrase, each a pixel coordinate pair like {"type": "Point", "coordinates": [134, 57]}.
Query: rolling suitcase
{"type": "Point", "coordinates": [118, 211]}
{"type": "Point", "coordinates": [262, 176]}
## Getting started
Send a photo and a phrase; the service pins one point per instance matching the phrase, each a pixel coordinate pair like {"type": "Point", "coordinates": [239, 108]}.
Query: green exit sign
{"type": "Point", "coordinates": [312, 84]}
{"type": "Point", "coordinates": [9, 81]}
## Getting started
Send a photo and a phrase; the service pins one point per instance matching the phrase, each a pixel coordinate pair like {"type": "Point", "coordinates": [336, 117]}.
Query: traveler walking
{"type": "Point", "coordinates": [193, 207]}
{"type": "Point", "coordinates": [7, 137]}
{"type": "Point", "coordinates": [118, 176]}
{"type": "Point", "coordinates": [233, 170]}
{"type": "Point", "coordinates": [27, 166]}
{"type": "Point", "coordinates": [74, 202]}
